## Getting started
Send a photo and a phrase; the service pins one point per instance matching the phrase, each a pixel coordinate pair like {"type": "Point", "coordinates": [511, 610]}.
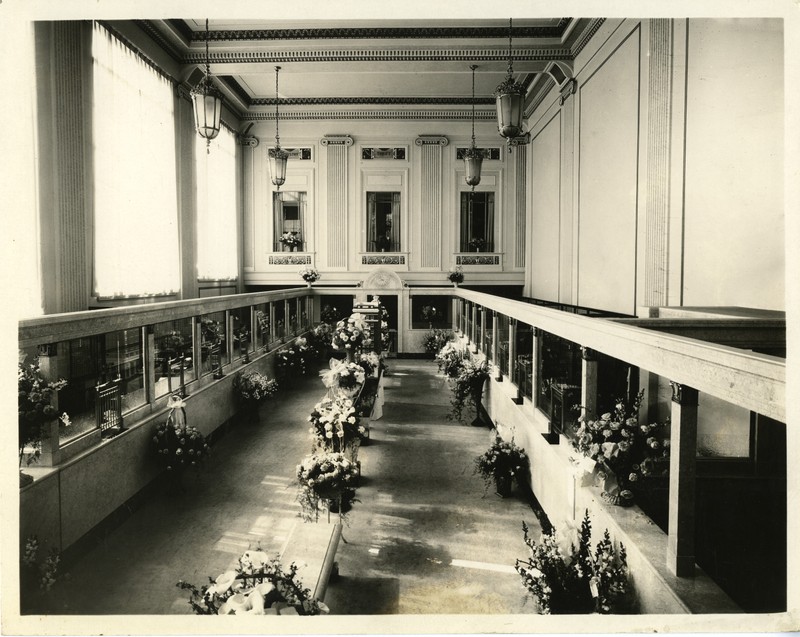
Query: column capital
{"type": "Point", "coordinates": [336, 140]}
{"type": "Point", "coordinates": [47, 349]}
{"type": "Point", "coordinates": [683, 394]}
{"type": "Point", "coordinates": [427, 140]}
{"type": "Point", "coordinates": [247, 140]}
{"type": "Point", "coordinates": [588, 354]}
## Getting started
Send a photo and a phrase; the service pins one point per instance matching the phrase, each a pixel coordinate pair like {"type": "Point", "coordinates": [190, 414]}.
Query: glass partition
{"type": "Point", "coordinates": [294, 321]}
{"type": "Point", "coordinates": [263, 337]}
{"type": "Point", "coordinates": [174, 364]}
{"type": "Point", "coordinates": [430, 312]}
{"type": "Point", "coordinates": [468, 319]}
{"type": "Point", "coordinates": [522, 373]}
{"type": "Point", "coordinates": [242, 332]}
{"type": "Point", "coordinates": [502, 353]}
{"type": "Point", "coordinates": [487, 342]}
{"type": "Point", "coordinates": [213, 346]}
{"type": "Point", "coordinates": [558, 378]}
{"type": "Point", "coordinates": [279, 320]}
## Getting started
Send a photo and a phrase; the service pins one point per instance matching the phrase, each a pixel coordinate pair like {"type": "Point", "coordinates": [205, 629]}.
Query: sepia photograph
{"type": "Point", "coordinates": [400, 318]}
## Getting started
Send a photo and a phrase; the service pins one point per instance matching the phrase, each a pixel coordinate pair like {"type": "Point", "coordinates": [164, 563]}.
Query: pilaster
{"type": "Point", "coordinates": [431, 199]}
{"type": "Point", "coordinates": [337, 148]}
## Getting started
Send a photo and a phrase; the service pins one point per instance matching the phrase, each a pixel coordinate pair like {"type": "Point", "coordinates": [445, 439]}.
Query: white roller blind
{"type": "Point", "coordinates": [216, 207]}
{"type": "Point", "coordinates": [136, 248]}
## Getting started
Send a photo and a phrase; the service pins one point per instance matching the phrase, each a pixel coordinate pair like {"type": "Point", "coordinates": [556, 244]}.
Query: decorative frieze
{"type": "Point", "coordinates": [477, 259]}
{"type": "Point", "coordinates": [488, 153]}
{"type": "Point", "coordinates": [290, 259]}
{"type": "Point", "coordinates": [384, 153]}
{"type": "Point", "coordinates": [383, 259]}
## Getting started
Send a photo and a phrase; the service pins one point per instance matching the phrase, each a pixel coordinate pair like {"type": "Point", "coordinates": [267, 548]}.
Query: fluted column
{"type": "Point", "coordinates": [336, 184]}
{"type": "Point", "coordinates": [430, 253]}
{"type": "Point", "coordinates": [655, 276]}
{"type": "Point", "coordinates": [65, 204]}
{"type": "Point", "coordinates": [521, 196]}
{"type": "Point", "coordinates": [248, 145]}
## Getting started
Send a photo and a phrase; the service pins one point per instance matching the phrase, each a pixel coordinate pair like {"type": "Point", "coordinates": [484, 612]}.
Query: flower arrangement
{"type": "Point", "coordinates": [502, 460]}
{"type": "Point", "coordinates": [565, 576]}
{"type": "Point", "coordinates": [349, 333]}
{"type": "Point", "coordinates": [254, 386]}
{"type": "Point", "coordinates": [309, 274]}
{"type": "Point", "coordinates": [258, 586]}
{"type": "Point", "coordinates": [450, 357]}
{"type": "Point", "coordinates": [335, 425]}
{"type": "Point", "coordinates": [292, 361]}
{"type": "Point", "coordinates": [477, 244]}
{"type": "Point", "coordinates": [624, 450]}
{"type": "Point", "coordinates": [34, 573]}
{"type": "Point", "coordinates": [456, 275]}
{"type": "Point", "coordinates": [177, 445]}
{"type": "Point", "coordinates": [291, 239]}
{"type": "Point", "coordinates": [467, 388]}
{"type": "Point", "coordinates": [430, 314]}
{"type": "Point", "coordinates": [35, 405]}
{"type": "Point", "coordinates": [370, 362]}
{"type": "Point", "coordinates": [329, 314]}
{"type": "Point", "coordinates": [325, 477]}
{"type": "Point", "coordinates": [351, 376]}
{"type": "Point", "coordinates": [436, 339]}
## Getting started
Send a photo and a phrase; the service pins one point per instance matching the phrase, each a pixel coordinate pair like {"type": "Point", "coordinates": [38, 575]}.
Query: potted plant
{"type": "Point", "coordinates": [500, 463]}
{"type": "Point", "coordinates": [477, 244]}
{"type": "Point", "coordinates": [291, 240]}
{"type": "Point", "coordinates": [456, 276]}
{"type": "Point", "coordinates": [625, 451]}
{"type": "Point", "coordinates": [436, 339]}
{"type": "Point", "coordinates": [564, 576]}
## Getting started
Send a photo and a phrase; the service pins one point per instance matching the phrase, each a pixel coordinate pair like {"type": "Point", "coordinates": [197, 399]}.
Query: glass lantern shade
{"type": "Point", "coordinates": [473, 160]}
{"type": "Point", "coordinates": [509, 113]}
{"type": "Point", "coordinates": [207, 104]}
{"type": "Point", "coordinates": [277, 165]}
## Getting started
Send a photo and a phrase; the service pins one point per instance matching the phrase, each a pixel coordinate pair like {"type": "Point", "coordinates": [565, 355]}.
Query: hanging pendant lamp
{"type": "Point", "coordinates": [207, 104]}
{"type": "Point", "coordinates": [509, 98]}
{"type": "Point", "coordinates": [473, 158]}
{"type": "Point", "coordinates": [277, 156]}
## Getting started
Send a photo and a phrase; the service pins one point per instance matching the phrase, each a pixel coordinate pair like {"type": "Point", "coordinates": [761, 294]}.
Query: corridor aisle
{"type": "Point", "coordinates": [422, 538]}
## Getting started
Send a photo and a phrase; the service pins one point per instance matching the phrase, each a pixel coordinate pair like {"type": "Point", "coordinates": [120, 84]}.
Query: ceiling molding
{"type": "Point", "coordinates": [376, 33]}
{"type": "Point", "coordinates": [586, 35]}
{"type": "Point", "coordinates": [371, 114]}
{"type": "Point", "coordinates": [309, 101]}
{"type": "Point", "coordinates": [371, 55]}
{"type": "Point", "coordinates": [166, 45]}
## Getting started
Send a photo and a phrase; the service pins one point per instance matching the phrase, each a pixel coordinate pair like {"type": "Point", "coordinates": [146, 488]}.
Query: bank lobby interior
{"type": "Point", "coordinates": [627, 235]}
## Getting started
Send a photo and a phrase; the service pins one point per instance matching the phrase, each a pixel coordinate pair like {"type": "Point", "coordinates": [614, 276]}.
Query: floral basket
{"type": "Point", "coordinates": [254, 386]}
{"type": "Point", "coordinates": [178, 446]}
{"type": "Point", "coordinates": [291, 239]}
{"type": "Point", "coordinates": [349, 333]}
{"type": "Point", "coordinates": [335, 425]}
{"type": "Point", "coordinates": [456, 276]}
{"type": "Point", "coordinates": [36, 396]}
{"type": "Point", "coordinates": [325, 477]}
{"type": "Point", "coordinates": [309, 274]}
{"type": "Point", "coordinates": [258, 586]}
{"type": "Point", "coordinates": [502, 461]}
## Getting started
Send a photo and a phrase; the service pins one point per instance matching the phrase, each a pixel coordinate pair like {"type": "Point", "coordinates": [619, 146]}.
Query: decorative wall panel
{"type": "Point", "coordinates": [337, 149]}
{"type": "Point", "coordinates": [431, 200]}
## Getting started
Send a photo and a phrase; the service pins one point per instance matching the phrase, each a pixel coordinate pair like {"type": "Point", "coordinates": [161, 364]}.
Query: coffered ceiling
{"type": "Point", "coordinates": [373, 69]}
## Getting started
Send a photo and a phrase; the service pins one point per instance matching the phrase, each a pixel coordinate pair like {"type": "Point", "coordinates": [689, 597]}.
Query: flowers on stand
{"type": "Point", "coordinates": [291, 239]}
{"type": "Point", "coordinates": [456, 275]}
{"type": "Point", "coordinates": [254, 386]}
{"type": "Point", "coordinates": [177, 445]}
{"type": "Point", "coordinates": [450, 357]}
{"type": "Point", "coordinates": [325, 477]}
{"type": "Point", "coordinates": [565, 577]}
{"type": "Point", "coordinates": [624, 450]}
{"type": "Point", "coordinates": [292, 361]}
{"type": "Point", "coordinates": [436, 339]}
{"type": "Point", "coordinates": [335, 426]}
{"type": "Point", "coordinates": [351, 376]}
{"type": "Point", "coordinates": [370, 363]}
{"type": "Point", "coordinates": [35, 405]}
{"type": "Point", "coordinates": [502, 461]}
{"type": "Point", "coordinates": [258, 586]}
{"type": "Point", "coordinates": [349, 333]}
{"type": "Point", "coordinates": [309, 274]}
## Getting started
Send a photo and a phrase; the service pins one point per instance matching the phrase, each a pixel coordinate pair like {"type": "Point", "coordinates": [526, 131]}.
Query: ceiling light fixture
{"type": "Point", "coordinates": [509, 97]}
{"type": "Point", "coordinates": [207, 104]}
{"type": "Point", "coordinates": [277, 156]}
{"type": "Point", "coordinates": [473, 157]}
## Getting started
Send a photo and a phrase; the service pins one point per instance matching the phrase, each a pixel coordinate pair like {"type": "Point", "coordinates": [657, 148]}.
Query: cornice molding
{"type": "Point", "coordinates": [154, 34]}
{"type": "Point", "coordinates": [587, 34]}
{"type": "Point", "coordinates": [371, 114]}
{"type": "Point", "coordinates": [309, 101]}
{"type": "Point", "coordinates": [372, 33]}
{"type": "Point", "coordinates": [371, 55]}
